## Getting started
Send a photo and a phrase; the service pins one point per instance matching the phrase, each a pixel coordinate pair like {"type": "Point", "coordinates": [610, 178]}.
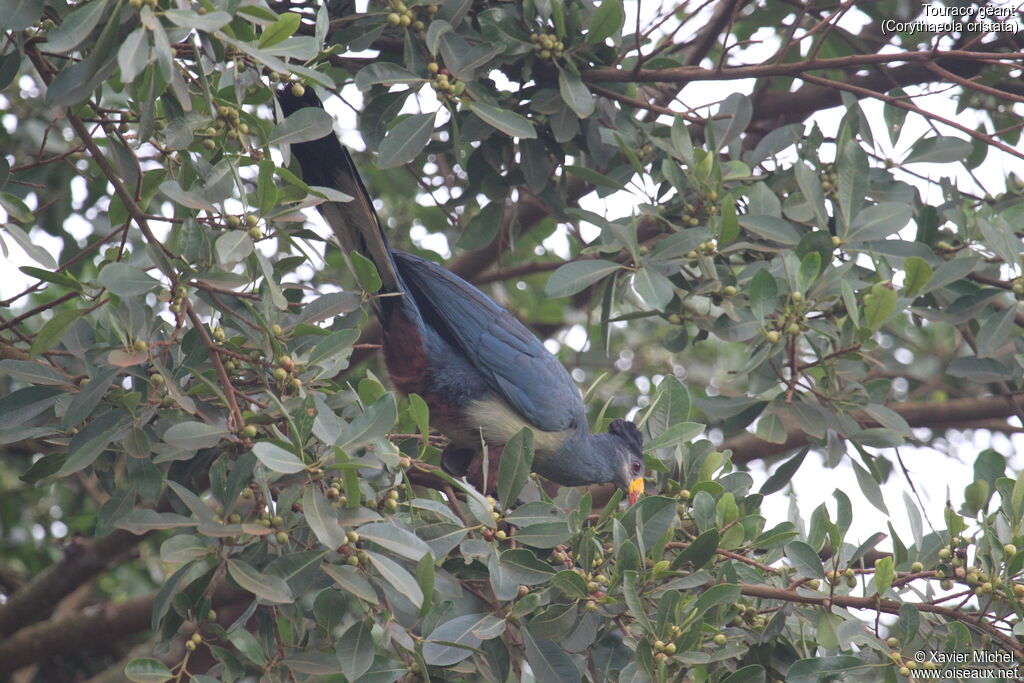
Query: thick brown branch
{"type": "Point", "coordinates": [81, 562]}
{"type": "Point", "coordinates": [88, 631]}
{"type": "Point", "coordinates": [687, 74]}
{"type": "Point", "coordinates": [929, 415]}
{"type": "Point", "coordinates": [872, 602]}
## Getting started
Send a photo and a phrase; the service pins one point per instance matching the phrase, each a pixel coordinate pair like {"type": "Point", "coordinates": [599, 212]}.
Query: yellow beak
{"type": "Point", "coordinates": [636, 489]}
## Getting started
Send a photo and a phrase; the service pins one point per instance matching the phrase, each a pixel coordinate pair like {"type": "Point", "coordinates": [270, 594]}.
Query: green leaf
{"type": "Point", "coordinates": [356, 650]}
{"type": "Point", "coordinates": [454, 640]}
{"type": "Point", "coordinates": [385, 73]}
{"type": "Point", "coordinates": [405, 140]}
{"type": "Point", "coordinates": [535, 512]}
{"type": "Point", "coordinates": [810, 267]}
{"type": "Point", "coordinates": [1000, 238]}
{"type": "Point", "coordinates": [74, 83]}
{"type": "Point", "coordinates": [878, 306]}
{"type": "Point", "coordinates": [275, 64]}
{"type": "Point", "coordinates": [92, 440]}
{"type": "Point", "coordinates": [575, 93]}
{"type": "Point", "coordinates": [894, 116]}
{"type": "Point", "coordinates": [43, 467]}
{"type": "Point", "coordinates": [606, 21]}
{"type": "Point", "coordinates": [86, 400]}
{"type": "Point", "coordinates": [593, 177]}
{"type": "Point", "coordinates": [818, 669]}
{"type": "Point", "coordinates": [524, 567]}
{"type": "Point", "coordinates": [549, 662]}
{"type": "Point", "coordinates": [770, 428]}
{"type": "Point", "coordinates": [853, 172]}
{"type": "Point", "coordinates": [141, 521]}
{"type": "Point", "coordinates": [351, 581]}
{"type": "Point", "coordinates": [731, 119]}
{"type": "Point", "coordinates": [652, 517]}
{"type": "Point", "coordinates": [995, 331]}
{"type": "Point", "coordinates": [183, 548]}
{"type": "Point", "coordinates": [396, 539]}
{"type": "Point", "coordinates": [544, 534]}
{"type": "Point", "coordinates": [135, 53]}
{"type": "Point", "coordinates": [234, 246]}
{"type": "Point", "coordinates": [869, 487]}
{"type": "Point", "coordinates": [322, 518]}
{"type": "Point", "coordinates": [19, 211]}
{"type": "Point", "coordinates": [482, 228]}
{"type": "Point", "coordinates": [938, 150]}
{"type": "Point", "coordinates": [266, 586]}
{"type": "Point", "coordinates": [398, 577]}
{"type": "Point", "coordinates": [20, 14]}
{"type": "Point", "coordinates": [515, 466]}
{"type": "Point", "coordinates": [277, 459]}
{"type": "Point", "coordinates": [576, 276]}
{"type": "Point", "coordinates": [700, 551]}
{"type": "Point", "coordinates": [281, 29]}
{"type": "Point", "coordinates": [373, 423]}
{"type": "Point", "coordinates": [632, 598]}
{"type": "Point", "coordinates": [764, 294]}
{"type": "Point", "coordinates": [771, 228]}
{"type": "Point", "coordinates": [365, 272]}
{"type": "Point", "coordinates": [783, 473]}
{"type": "Point", "coordinates": [125, 280]}
{"type": "Point", "coordinates": [917, 275]}
{"type": "Point", "coordinates": [884, 574]}
{"type": "Point", "coordinates": [248, 645]}
{"type": "Point", "coordinates": [976, 495]}
{"type": "Point", "coordinates": [305, 125]}
{"type": "Point", "coordinates": [878, 222]}
{"type": "Point", "coordinates": [753, 673]}
{"type": "Point", "coordinates": [810, 186]}
{"type": "Point", "coordinates": [682, 145]}
{"type": "Point", "coordinates": [805, 559]}
{"type": "Point", "coordinates": [506, 121]}
{"type": "Point", "coordinates": [209, 22]}
{"type": "Point", "coordinates": [671, 405]}
{"type": "Point", "coordinates": [76, 27]}
{"type": "Point", "coordinates": [147, 671]}
{"type": "Point", "coordinates": [52, 332]}
{"type": "Point", "coordinates": [193, 435]}
{"type": "Point", "coordinates": [175, 193]}
{"type": "Point", "coordinates": [426, 577]}
{"type": "Point", "coordinates": [266, 190]}
{"type": "Point", "coordinates": [33, 372]}
{"type": "Point", "coordinates": [653, 287]}
{"type": "Point", "coordinates": [327, 306]}
{"type": "Point", "coordinates": [55, 277]}
{"type": "Point", "coordinates": [719, 594]}
{"type": "Point", "coordinates": [675, 435]}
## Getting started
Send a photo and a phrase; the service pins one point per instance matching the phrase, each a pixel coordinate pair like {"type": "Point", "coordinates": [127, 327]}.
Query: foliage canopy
{"type": "Point", "coordinates": [189, 399]}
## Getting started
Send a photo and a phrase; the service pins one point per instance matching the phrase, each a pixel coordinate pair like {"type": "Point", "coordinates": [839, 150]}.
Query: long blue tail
{"type": "Point", "coordinates": [326, 163]}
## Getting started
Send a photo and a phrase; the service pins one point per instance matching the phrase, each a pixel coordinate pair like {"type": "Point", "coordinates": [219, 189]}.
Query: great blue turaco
{"type": "Point", "coordinates": [481, 372]}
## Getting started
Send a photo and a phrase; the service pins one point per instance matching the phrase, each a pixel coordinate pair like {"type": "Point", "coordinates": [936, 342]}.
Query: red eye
{"type": "Point", "coordinates": [636, 467]}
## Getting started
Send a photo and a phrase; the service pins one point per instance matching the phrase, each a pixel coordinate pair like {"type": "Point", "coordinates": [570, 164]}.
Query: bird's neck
{"type": "Point", "coordinates": [582, 459]}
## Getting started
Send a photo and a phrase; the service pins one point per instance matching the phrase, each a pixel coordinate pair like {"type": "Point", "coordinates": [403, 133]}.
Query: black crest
{"type": "Point", "coordinates": [628, 432]}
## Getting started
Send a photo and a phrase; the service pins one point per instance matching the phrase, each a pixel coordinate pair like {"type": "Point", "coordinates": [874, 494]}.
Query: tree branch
{"type": "Point", "coordinates": [89, 630]}
{"type": "Point", "coordinates": [81, 562]}
{"type": "Point", "coordinates": [748, 447]}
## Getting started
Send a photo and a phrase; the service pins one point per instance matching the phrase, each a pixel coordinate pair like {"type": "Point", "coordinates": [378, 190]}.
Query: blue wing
{"type": "Point", "coordinates": [511, 359]}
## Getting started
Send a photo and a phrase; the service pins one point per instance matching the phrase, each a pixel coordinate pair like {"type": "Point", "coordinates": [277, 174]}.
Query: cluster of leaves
{"type": "Point", "coordinates": [181, 379]}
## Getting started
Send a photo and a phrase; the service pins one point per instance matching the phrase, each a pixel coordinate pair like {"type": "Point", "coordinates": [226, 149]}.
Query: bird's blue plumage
{"type": "Point", "coordinates": [483, 374]}
{"type": "Point", "coordinates": [512, 361]}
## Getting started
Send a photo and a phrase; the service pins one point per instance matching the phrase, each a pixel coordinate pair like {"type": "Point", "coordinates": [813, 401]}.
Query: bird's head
{"type": "Point", "coordinates": [629, 470]}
